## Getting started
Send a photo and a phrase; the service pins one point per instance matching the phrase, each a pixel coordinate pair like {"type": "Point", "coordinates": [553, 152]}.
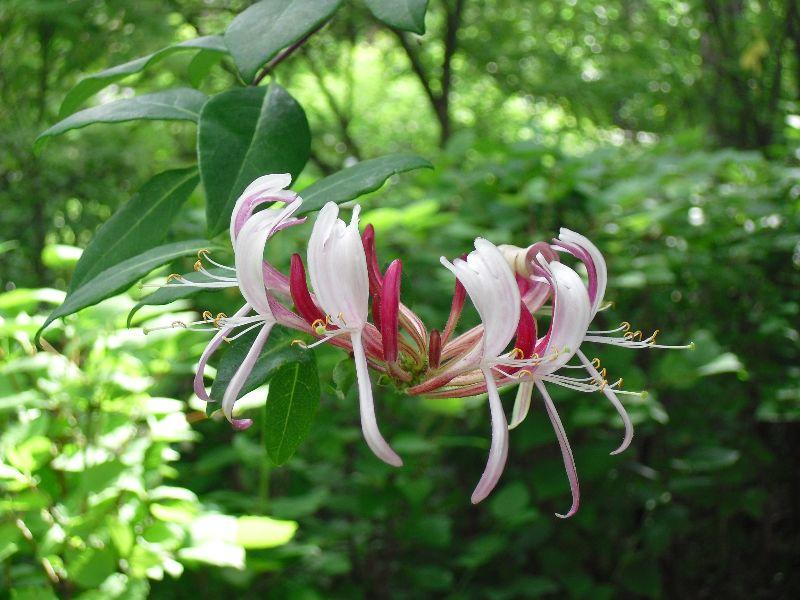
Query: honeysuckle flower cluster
{"type": "Point", "coordinates": [508, 286]}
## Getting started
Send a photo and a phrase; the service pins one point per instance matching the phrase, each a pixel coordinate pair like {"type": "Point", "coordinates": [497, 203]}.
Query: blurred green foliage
{"type": "Point", "coordinates": [617, 119]}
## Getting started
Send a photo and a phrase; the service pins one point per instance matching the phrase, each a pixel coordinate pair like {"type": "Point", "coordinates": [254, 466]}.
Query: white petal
{"type": "Point", "coordinates": [615, 401]}
{"type": "Point", "coordinates": [498, 452]}
{"type": "Point", "coordinates": [597, 258]}
{"type": "Point", "coordinates": [337, 267]}
{"type": "Point", "coordinates": [571, 314]}
{"type": "Point", "coordinates": [243, 372]}
{"type": "Point", "coordinates": [266, 185]}
{"type": "Point", "coordinates": [369, 423]}
{"type": "Point", "coordinates": [566, 451]}
{"type": "Point", "coordinates": [493, 290]}
{"type": "Point", "coordinates": [522, 403]}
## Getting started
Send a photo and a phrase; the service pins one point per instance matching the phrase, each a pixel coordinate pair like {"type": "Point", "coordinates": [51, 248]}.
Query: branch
{"type": "Point", "coordinates": [341, 117]}
{"type": "Point", "coordinates": [286, 53]}
{"type": "Point", "coordinates": [417, 66]}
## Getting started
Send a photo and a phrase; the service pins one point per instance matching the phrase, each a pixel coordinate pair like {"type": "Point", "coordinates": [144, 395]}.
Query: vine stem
{"type": "Point", "coordinates": [286, 53]}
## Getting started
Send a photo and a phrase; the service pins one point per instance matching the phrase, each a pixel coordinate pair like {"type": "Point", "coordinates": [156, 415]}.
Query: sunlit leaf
{"type": "Point", "coordinates": [263, 532]}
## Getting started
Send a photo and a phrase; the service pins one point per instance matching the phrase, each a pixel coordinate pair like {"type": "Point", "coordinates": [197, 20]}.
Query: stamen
{"type": "Point", "coordinates": [596, 362]}
{"type": "Point", "coordinates": [174, 276]}
{"type": "Point", "coordinates": [198, 265]}
{"type": "Point", "coordinates": [218, 318]}
{"type": "Point", "coordinates": [207, 315]}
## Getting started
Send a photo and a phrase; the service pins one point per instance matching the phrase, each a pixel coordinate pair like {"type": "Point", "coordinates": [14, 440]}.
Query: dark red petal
{"type": "Point", "coordinates": [434, 349]}
{"type": "Point", "coordinates": [299, 291]}
{"type": "Point", "coordinates": [526, 332]}
{"type": "Point", "coordinates": [373, 270]}
{"type": "Point", "coordinates": [390, 307]}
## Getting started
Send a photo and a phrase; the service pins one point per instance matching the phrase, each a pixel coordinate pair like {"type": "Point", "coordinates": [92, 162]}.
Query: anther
{"type": "Point", "coordinates": [207, 316]}
{"type": "Point", "coordinates": [175, 276]}
{"type": "Point", "coordinates": [179, 324]}
{"type": "Point", "coordinates": [625, 326]}
{"type": "Point", "coordinates": [300, 343]}
{"type": "Point", "coordinates": [596, 362]}
{"type": "Point", "coordinates": [341, 318]}
{"type": "Point", "coordinates": [219, 318]}
{"type": "Point", "coordinates": [517, 353]}
{"type": "Point", "coordinates": [202, 253]}
{"type": "Point", "coordinates": [603, 373]}
{"type": "Point", "coordinates": [524, 373]}
{"type": "Point", "coordinates": [198, 265]}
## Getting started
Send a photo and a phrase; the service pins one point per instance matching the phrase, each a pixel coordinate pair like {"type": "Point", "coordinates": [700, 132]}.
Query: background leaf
{"type": "Point", "coordinates": [141, 223]}
{"type": "Point", "coordinates": [91, 84]}
{"type": "Point", "coordinates": [291, 403]}
{"type": "Point", "coordinates": [279, 351]}
{"type": "Point", "coordinates": [408, 15]}
{"type": "Point", "coordinates": [119, 277]}
{"type": "Point", "coordinates": [366, 176]}
{"type": "Point", "coordinates": [266, 27]}
{"type": "Point", "coordinates": [179, 104]}
{"type": "Point", "coordinates": [243, 134]}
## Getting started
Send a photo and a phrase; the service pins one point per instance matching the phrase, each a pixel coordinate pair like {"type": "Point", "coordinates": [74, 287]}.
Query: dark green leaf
{"type": "Point", "coordinates": [264, 29]}
{"type": "Point", "coordinates": [243, 134]}
{"type": "Point", "coordinates": [119, 277]}
{"type": "Point", "coordinates": [175, 291]}
{"type": "Point", "coordinates": [408, 15]}
{"type": "Point", "coordinates": [90, 85]}
{"type": "Point", "coordinates": [278, 351]}
{"type": "Point", "coordinates": [366, 176]}
{"type": "Point", "coordinates": [291, 403]}
{"type": "Point", "coordinates": [141, 223]}
{"type": "Point", "coordinates": [179, 104]}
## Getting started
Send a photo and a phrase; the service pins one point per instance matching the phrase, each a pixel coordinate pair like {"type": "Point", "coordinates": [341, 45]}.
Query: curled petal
{"type": "Point", "coordinates": [493, 290]}
{"type": "Point", "coordinates": [376, 310]}
{"type": "Point", "coordinates": [390, 306]}
{"type": "Point", "coordinates": [584, 250]}
{"type": "Point", "coordinates": [242, 373]}
{"type": "Point", "coordinates": [267, 188]}
{"type": "Point", "coordinates": [498, 452]}
{"type": "Point", "coordinates": [615, 401]}
{"type": "Point", "coordinates": [369, 424]}
{"type": "Point", "coordinates": [213, 345]}
{"type": "Point", "coordinates": [299, 291]}
{"type": "Point", "coordinates": [566, 451]}
{"type": "Point", "coordinates": [522, 403]}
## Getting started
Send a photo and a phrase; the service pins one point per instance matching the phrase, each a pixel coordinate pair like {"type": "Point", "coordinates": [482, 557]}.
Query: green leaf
{"type": "Point", "coordinates": [366, 176]}
{"type": "Point", "coordinates": [175, 291]}
{"type": "Point", "coordinates": [278, 351]}
{"type": "Point", "coordinates": [200, 66]}
{"type": "Point", "coordinates": [291, 403]}
{"type": "Point", "coordinates": [91, 84]}
{"type": "Point", "coordinates": [243, 134]}
{"type": "Point", "coordinates": [265, 28]}
{"type": "Point", "coordinates": [408, 15]}
{"type": "Point", "coordinates": [119, 278]}
{"type": "Point", "coordinates": [141, 223]}
{"type": "Point", "coordinates": [179, 104]}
